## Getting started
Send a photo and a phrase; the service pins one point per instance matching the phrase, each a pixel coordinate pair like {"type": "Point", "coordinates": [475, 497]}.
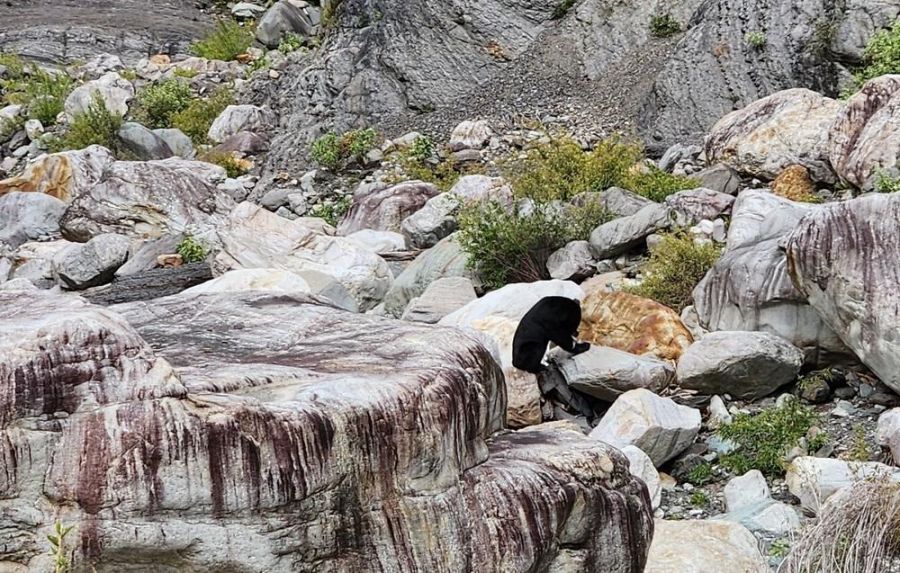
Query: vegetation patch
{"type": "Point", "coordinates": [96, 126]}
{"type": "Point", "coordinates": [756, 40]}
{"type": "Point", "coordinates": [43, 94]}
{"type": "Point", "coordinates": [701, 474]}
{"type": "Point", "coordinates": [677, 264]}
{"type": "Point", "coordinates": [228, 41]}
{"type": "Point", "coordinates": [655, 184]}
{"type": "Point", "coordinates": [191, 250]}
{"type": "Point", "coordinates": [882, 57]}
{"type": "Point", "coordinates": [765, 438]}
{"type": "Point", "coordinates": [290, 42]}
{"type": "Point", "coordinates": [884, 183]}
{"type": "Point", "coordinates": [334, 151]}
{"type": "Point", "coordinates": [157, 104]}
{"type": "Point", "coordinates": [332, 211]}
{"type": "Point", "coordinates": [233, 166]}
{"type": "Point", "coordinates": [196, 119]}
{"type": "Point", "coordinates": [664, 25]}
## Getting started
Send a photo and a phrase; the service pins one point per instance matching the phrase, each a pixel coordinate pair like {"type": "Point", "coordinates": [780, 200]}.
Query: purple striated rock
{"type": "Point", "coordinates": [383, 208]}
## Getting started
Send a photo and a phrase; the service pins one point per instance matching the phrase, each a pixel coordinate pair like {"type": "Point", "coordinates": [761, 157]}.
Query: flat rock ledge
{"type": "Point", "coordinates": [267, 432]}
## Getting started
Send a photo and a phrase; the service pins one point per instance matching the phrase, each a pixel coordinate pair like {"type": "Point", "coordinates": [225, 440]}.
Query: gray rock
{"type": "Point", "coordinates": [237, 118]}
{"type": "Point", "coordinates": [658, 426]}
{"type": "Point", "coordinates": [62, 175]}
{"type": "Point", "coordinates": [704, 546]}
{"type": "Point", "coordinates": [718, 413]}
{"type": "Point", "coordinates": [34, 129]}
{"type": "Point", "coordinates": [745, 491]}
{"type": "Point", "coordinates": [143, 143]}
{"type": "Point", "coordinates": [470, 135]}
{"type": "Point", "coordinates": [244, 142]}
{"type": "Point", "coordinates": [442, 297]}
{"type": "Point", "coordinates": [573, 262]}
{"type": "Point", "coordinates": [641, 466]}
{"type": "Point", "coordinates": [383, 208]}
{"type": "Point", "coordinates": [744, 365]}
{"type": "Point", "coordinates": [234, 189]}
{"type": "Point", "coordinates": [887, 433]}
{"type": "Point", "coordinates": [719, 178]}
{"type": "Point", "coordinates": [623, 234]}
{"type": "Point", "coordinates": [814, 480]}
{"type": "Point", "coordinates": [180, 144]}
{"type": "Point", "coordinates": [34, 262]}
{"type": "Point", "coordinates": [247, 10]}
{"type": "Point", "coordinates": [379, 242]}
{"type": "Point", "coordinates": [28, 216]}
{"type": "Point", "coordinates": [144, 256]}
{"type": "Point", "coordinates": [607, 373]}
{"type": "Point", "coordinates": [114, 91]}
{"type": "Point", "coordinates": [84, 265]}
{"type": "Point", "coordinates": [275, 198]}
{"type": "Point", "coordinates": [284, 16]}
{"type": "Point", "coordinates": [842, 258]}
{"type": "Point", "coordinates": [699, 204]}
{"type": "Point", "coordinates": [620, 202]}
{"type": "Point", "coordinates": [768, 517]}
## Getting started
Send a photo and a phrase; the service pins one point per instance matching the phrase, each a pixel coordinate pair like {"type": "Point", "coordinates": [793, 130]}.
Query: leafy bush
{"type": "Point", "coordinates": [290, 42]}
{"type": "Point", "coordinates": [507, 246]}
{"type": "Point", "coordinates": [701, 474]}
{"type": "Point", "coordinates": [228, 41]}
{"type": "Point", "coordinates": [157, 103]}
{"type": "Point", "coordinates": [764, 439]}
{"type": "Point", "coordinates": [191, 250]}
{"type": "Point", "coordinates": [196, 119]}
{"type": "Point", "coordinates": [656, 184]}
{"type": "Point", "coordinates": [186, 73]}
{"type": "Point", "coordinates": [675, 267]}
{"type": "Point", "coordinates": [422, 149]}
{"type": "Point", "coordinates": [884, 183]}
{"type": "Point", "coordinates": [756, 40]}
{"type": "Point", "coordinates": [58, 550]}
{"type": "Point", "coordinates": [234, 167]}
{"type": "Point", "coordinates": [334, 151]}
{"type": "Point", "coordinates": [96, 126]}
{"type": "Point", "coordinates": [699, 498]}
{"type": "Point", "coordinates": [42, 93]}
{"type": "Point", "coordinates": [332, 211]}
{"type": "Point", "coordinates": [882, 56]}
{"type": "Point", "coordinates": [664, 25]}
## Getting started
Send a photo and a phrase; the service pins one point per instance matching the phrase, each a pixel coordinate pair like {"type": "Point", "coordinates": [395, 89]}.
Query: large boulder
{"type": "Point", "coordinates": [237, 118]}
{"type": "Point", "coordinates": [84, 265]}
{"type": "Point", "coordinates": [384, 207]}
{"type": "Point", "coordinates": [863, 140]}
{"type": "Point", "coordinates": [28, 216]}
{"type": "Point", "coordinates": [572, 262]}
{"type": "Point", "coordinates": [62, 175]}
{"type": "Point", "coordinates": [470, 135]}
{"type": "Point", "coordinates": [442, 297]}
{"type": "Point", "coordinates": [656, 425]}
{"type": "Point", "coordinates": [695, 546]}
{"type": "Point", "coordinates": [142, 143]}
{"type": "Point", "coordinates": [253, 237]}
{"type": "Point", "coordinates": [749, 287]}
{"type": "Point", "coordinates": [112, 89]}
{"type": "Point", "coordinates": [786, 128]}
{"type": "Point", "coordinates": [625, 233]}
{"type": "Point", "coordinates": [511, 301]}
{"type": "Point", "coordinates": [814, 480]}
{"type": "Point", "coordinates": [744, 365]}
{"type": "Point", "coordinates": [148, 199]}
{"type": "Point", "coordinates": [607, 373]}
{"type": "Point", "coordinates": [633, 324]}
{"type": "Point", "coordinates": [694, 205]}
{"type": "Point", "coordinates": [286, 16]}
{"type": "Point", "coordinates": [222, 421]}
{"type": "Point", "coordinates": [843, 259]}
{"type": "Point", "coordinates": [446, 259]}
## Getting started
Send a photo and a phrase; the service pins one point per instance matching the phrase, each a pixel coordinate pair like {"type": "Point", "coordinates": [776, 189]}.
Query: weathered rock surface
{"type": "Point", "coordinates": [697, 204]}
{"type": "Point", "coordinates": [470, 135]}
{"type": "Point", "coordinates": [842, 258]}
{"type": "Point", "coordinates": [787, 128]}
{"type": "Point", "coordinates": [607, 373]}
{"type": "Point", "coordinates": [887, 434]}
{"type": "Point", "coordinates": [148, 199]}
{"type": "Point", "coordinates": [62, 175]}
{"type": "Point", "coordinates": [633, 324]}
{"type": "Point", "coordinates": [694, 546]}
{"type": "Point", "coordinates": [253, 237]}
{"type": "Point", "coordinates": [814, 480]}
{"type": "Point", "coordinates": [572, 262]}
{"type": "Point", "coordinates": [749, 502]}
{"type": "Point", "coordinates": [33, 261]}
{"type": "Point", "coordinates": [719, 178]}
{"type": "Point", "coordinates": [641, 466]}
{"type": "Point", "coordinates": [143, 143]}
{"type": "Point", "coordinates": [862, 139]}
{"type": "Point", "coordinates": [446, 259]}
{"type": "Point", "coordinates": [749, 287]}
{"type": "Point", "coordinates": [385, 207]}
{"type": "Point", "coordinates": [442, 297]}
{"type": "Point", "coordinates": [744, 365]}
{"type": "Point", "coordinates": [379, 242]}
{"type": "Point", "coordinates": [237, 118]}
{"type": "Point", "coordinates": [280, 435]}
{"type": "Point", "coordinates": [93, 263]}
{"type": "Point", "coordinates": [180, 144]}
{"type": "Point", "coordinates": [286, 16]}
{"type": "Point", "coordinates": [28, 216]}
{"type": "Point", "coordinates": [511, 301]}
{"type": "Point", "coordinates": [622, 234]}
{"type": "Point", "coordinates": [658, 426]}
{"type": "Point", "coordinates": [620, 202]}
{"type": "Point", "coordinates": [114, 91]}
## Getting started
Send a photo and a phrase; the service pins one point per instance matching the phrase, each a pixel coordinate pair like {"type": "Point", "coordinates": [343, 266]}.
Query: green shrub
{"type": "Point", "coordinates": [196, 119]}
{"type": "Point", "coordinates": [701, 474]}
{"type": "Point", "coordinates": [562, 9]}
{"type": "Point", "coordinates": [233, 166]}
{"type": "Point", "coordinates": [560, 169]}
{"type": "Point", "coordinates": [882, 56]}
{"type": "Point", "coordinates": [290, 42]}
{"type": "Point", "coordinates": [422, 149]}
{"type": "Point", "coordinates": [656, 184]}
{"type": "Point", "coordinates": [664, 25]}
{"type": "Point", "coordinates": [699, 498]}
{"type": "Point", "coordinates": [228, 41]}
{"type": "Point", "coordinates": [756, 40]}
{"type": "Point", "coordinates": [334, 151]}
{"type": "Point", "coordinates": [191, 250]}
{"type": "Point", "coordinates": [58, 550]}
{"type": "Point", "coordinates": [884, 183]}
{"type": "Point", "coordinates": [675, 267]}
{"type": "Point", "coordinates": [156, 104]}
{"type": "Point", "coordinates": [96, 126]}
{"type": "Point", "coordinates": [764, 439]}
{"type": "Point", "coordinates": [186, 73]}
{"type": "Point", "coordinates": [43, 94]}
{"type": "Point", "coordinates": [332, 211]}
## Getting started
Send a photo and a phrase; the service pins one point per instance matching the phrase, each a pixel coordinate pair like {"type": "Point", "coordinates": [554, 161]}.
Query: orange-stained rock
{"type": "Point", "coordinates": [633, 324]}
{"type": "Point", "coordinates": [61, 175]}
{"type": "Point", "coordinates": [169, 261]}
{"type": "Point", "coordinates": [160, 60]}
{"type": "Point", "coordinates": [794, 183]}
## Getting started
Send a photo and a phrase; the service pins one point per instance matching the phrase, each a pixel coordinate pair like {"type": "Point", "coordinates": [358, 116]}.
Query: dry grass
{"type": "Point", "coordinates": [858, 531]}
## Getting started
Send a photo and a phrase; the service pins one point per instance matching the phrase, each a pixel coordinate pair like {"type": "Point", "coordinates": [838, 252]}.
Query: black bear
{"type": "Point", "coordinates": [553, 318]}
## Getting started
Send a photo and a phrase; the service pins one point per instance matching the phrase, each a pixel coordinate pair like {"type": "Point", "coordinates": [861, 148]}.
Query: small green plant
{"type": "Point", "coordinates": [675, 267]}
{"type": "Point", "coordinates": [655, 184]}
{"type": "Point", "coordinates": [261, 63]}
{"type": "Point", "coordinates": [764, 439]}
{"type": "Point", "coordinates": [884, 183]}
{"type": "Point", "coordinates": [756, 40]}
{"type": "Point", "coordinates": [332, 211]}
{"type": "Point", "coordinates": [330, 9]}
{"type": "Point", "coordinates": [58, 550]}
{"type": "Point", "coordinates": [191, 250]}
{"type": "Point", "coordinates": [196, 119]}
{"type": "Point", "coordinates": [186, 73]}
{"type": "Point", "coordinates": [228, 41]}
{"type": "Point", "coordinates": [42, 93]}
{"type": "Point", "coordinates": [699, 498]}
{"type": "Point", "coordinates": [701, 474]}
{"type": "Point", "coordinates": [562, 9]}
{"type": "Point", "coordinates": [290, 42]}
{"type": "Point", "coordinates": [128, 74]}
{"type": "Point", "coordinates": [156, 105]}
{"type": "Point", "coordinates": [859, 448]}
{"type": "Point", "coordinates": [334, 151]}
{"type": "Point", "coordinates": [422, 149]}
{"type": "Point", "coordinates": [96, 126]}
{"type": "Point", "coordinates": [444, 174]}
{"type": "Point", "coordinates": [779, 548]}
{"type": "Point", "coordinates": [233, 166]}
{"type": "Point", "coordinates": [882, 57]}
{"type": "Point", "coordinates": [664, 25]}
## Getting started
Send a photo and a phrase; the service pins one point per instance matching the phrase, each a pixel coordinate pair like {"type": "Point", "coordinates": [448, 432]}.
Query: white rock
{"type": "Point", "coordinates": [694, 546]}
{"type": "Point", "coordinates": [718, 413]}
{"type": "Point", "coordinates": [767, 517]}
{"type": "Point", "coordinates": [470, 135]}
{"type": "Point", "coordinates": [511, 301]}
{"type": "Point", "coordinates": [378, 241]}
{"type": "Point", "coordinates": [113, 90]}
{"type": "Point", "coordinates": [746, 490]}
{"type": "Point", "coordinates": [642, 467]}
{"type": "Point", "coordinates": [575, 260]}
{"type": "Point", "coordinates": [442, 297]}
{"type": "Point", "coordinates": [237, 118]}
{"type": "Point", "coordinates": [34, 129]}
{"type": "Point", "coordinates": [254, 279]}
{"type": "Point", "coordinates": [887, 434]}
{"type": "Point", "coordinates": [607, 373]}
{"type": "Point", "coordinates": [657, 425]}
{"type": "Point", "coordinates": [814, 480]}
{"type": "Point", "coordinates": [83, 265]}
